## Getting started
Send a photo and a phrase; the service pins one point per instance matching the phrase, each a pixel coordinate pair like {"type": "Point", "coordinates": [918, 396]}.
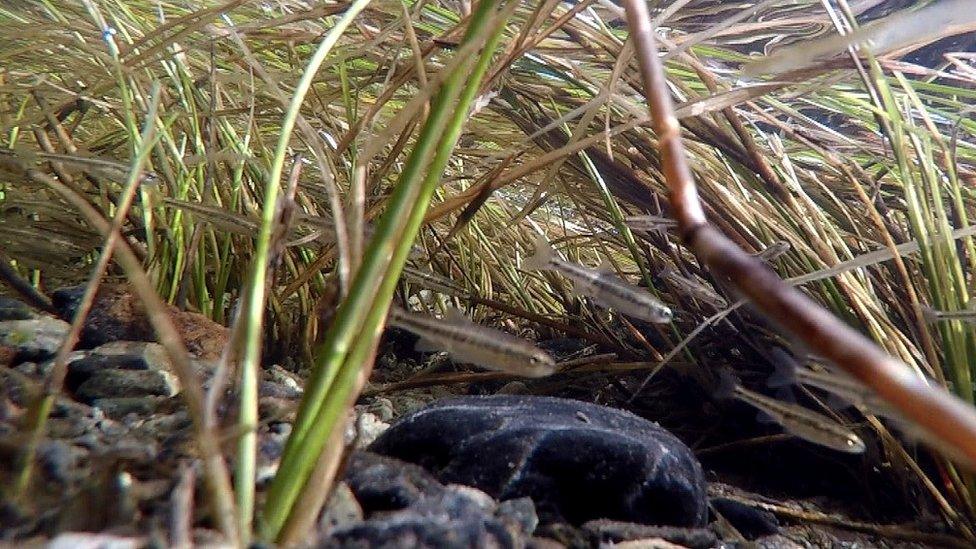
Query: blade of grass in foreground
{"type": "Point", "coordinates": [359, 319]}
{"type": "Point", "coordinates": [247, 445]}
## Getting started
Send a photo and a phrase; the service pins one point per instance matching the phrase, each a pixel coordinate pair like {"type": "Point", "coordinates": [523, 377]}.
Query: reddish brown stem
{"type": "Point", "coordinates": [943, 416]}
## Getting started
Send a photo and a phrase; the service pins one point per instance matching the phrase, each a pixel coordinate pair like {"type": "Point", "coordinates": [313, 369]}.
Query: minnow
{"type": "Point", "coordinates": [787, 372]}
{"type": "Point", "coordinates": [649, 223]}
{"type": "Point", "coordinates": [965, 315]}
{"type": "Point", "coordinates": [884, 35]}
{"type": "Point", "coordinates": [803, 423]}
{"type": "Point", "coordinates": [473, 343]}
{"type": "Point", "coordinates": [110, 169]}
{"type": "Point", "coordinates": [433, 282]}
{"type": "Point", "coordinates": [605, 288]}
{"type": "Point", "coordinates": [773, 251]}
{"type": "Point", "coordinates": [694, 289]}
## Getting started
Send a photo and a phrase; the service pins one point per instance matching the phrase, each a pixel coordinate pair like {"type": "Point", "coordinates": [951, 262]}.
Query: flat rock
{"type": "Point", "coordinates": [122, 370]}
{"type": "Point", "coordinates": [106, 384]}
{"type": "Point", "coordinates": [577, 461]}
{"type": "Point", "coordinates": [33, 339]}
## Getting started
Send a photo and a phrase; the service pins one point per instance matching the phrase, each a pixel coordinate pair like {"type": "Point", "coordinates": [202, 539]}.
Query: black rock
{"type": "Point", "coordinates": [384, 484]}
{"type": "Point", "coordinates": [449, 520]}
{"type": "Point", "coordinates": [752, 523]}
{"type": "Point", "coordinates": [577, 461]}
{"type": "Point", "coordinates": [406, 507]}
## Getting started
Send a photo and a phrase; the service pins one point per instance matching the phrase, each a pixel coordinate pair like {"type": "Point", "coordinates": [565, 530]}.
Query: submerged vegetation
{"type": "Point", "coordinates": [278, 165]}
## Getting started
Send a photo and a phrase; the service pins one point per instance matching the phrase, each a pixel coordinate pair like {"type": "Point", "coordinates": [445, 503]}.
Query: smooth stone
{"type": "Point", "coordinates": [126, 383]}
{"type": "Point", "coordinates": [74, 540]}
{"type": "Point", "coordinates": [363, 428]}
{"type": "Point", "coordinates": [123, 355]}
{"type": "Point", "coordinates": [520, 512]}
{"type": "Point", "coordinates": [122, 369]}
{"type": "Point", "coordinates": [60, 460]}
{"type": "Point", "coordinates": [577, 461]}
{"type": "Point", "coordinates": [34, 339]}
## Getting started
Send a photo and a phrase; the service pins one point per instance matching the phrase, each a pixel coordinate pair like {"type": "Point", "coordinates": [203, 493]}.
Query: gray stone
{"type": "Point", "coordinates": [13, 309]}
{"type": "Point", "coordinates": [123, 355]}
{"type": "Point", "coordinates": [519, 512]}
{"type": "Point", "coordinates": [34, 339]}
{"type": "Point", "coordinates": [119, 407]}
{"type": "Point", "coordinates": [126, 383]}
{"type": "Point", "coordinates": [342, 509]}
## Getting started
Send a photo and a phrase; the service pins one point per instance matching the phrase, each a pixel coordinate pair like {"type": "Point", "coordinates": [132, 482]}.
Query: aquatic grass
{"type": "Point", "coordinates": [248, 419]}
{"type": "Point", "coordinates": [558, 69]}
{"type": "Point", "coordinates": [344, 354]}
{"type": "Point", "coordinates": [40, 410]}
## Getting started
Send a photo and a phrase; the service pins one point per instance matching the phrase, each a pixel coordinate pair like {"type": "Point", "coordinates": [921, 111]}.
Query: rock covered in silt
{"type": "Point", "coordinates": [577, 461]}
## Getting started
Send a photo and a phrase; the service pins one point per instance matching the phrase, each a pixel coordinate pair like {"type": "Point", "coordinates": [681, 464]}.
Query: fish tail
{"type": "Point", "coordinates": [542, 256]}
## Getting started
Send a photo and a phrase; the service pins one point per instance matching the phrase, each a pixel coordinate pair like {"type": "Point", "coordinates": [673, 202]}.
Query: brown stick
{"type": "Point", "coordinates": [946, 418]}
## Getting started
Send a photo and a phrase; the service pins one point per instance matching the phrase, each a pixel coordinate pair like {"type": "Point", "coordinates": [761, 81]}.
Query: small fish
{"type": "Point", "coordinates": [603, 287]}
{"type": "Point", "coordinates": [650, 223]}
{"type": "Point", "coordinates": [117, 171]}
{"type": "Point", "coordinates": [773, 251]}
{"type": "Point", "coordinates": [473, 343]}
{"type": "Point", "coordinates": [893, 32]}
{"type": "Point", "coordinates": [788, 372]}
{"type": "Point", "coordinates": [694, 289]}
{"type": "Point", "coordinates": [965, 315]}
{"type": "Point", "coordinates": [433, 282]}
{"type": "Point", "coordinates": [799, 421]}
